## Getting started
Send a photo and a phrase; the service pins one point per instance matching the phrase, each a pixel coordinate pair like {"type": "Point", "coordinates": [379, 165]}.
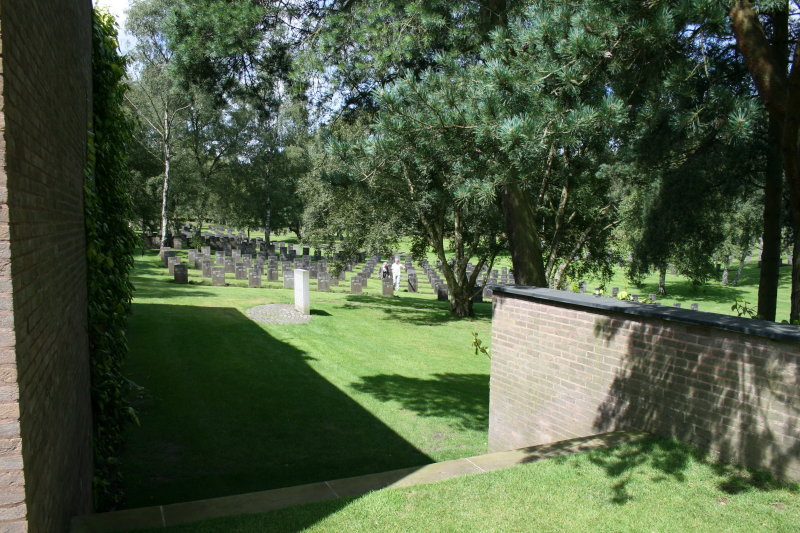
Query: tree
{"type": "Point", "coordinates": [766, 54]}
{"type": "Point", "coordinates": [156, 98]}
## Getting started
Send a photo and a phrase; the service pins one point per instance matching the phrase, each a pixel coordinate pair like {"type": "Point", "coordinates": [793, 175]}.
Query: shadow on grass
{"type": "Point", "coordinates": [461, 396]}
{"type": "Point", "coordinates": [671, 459]}
{"type": "Point", "coordinates": [415, 310]}
{"type": "Point", "coordinates": [226, 408]}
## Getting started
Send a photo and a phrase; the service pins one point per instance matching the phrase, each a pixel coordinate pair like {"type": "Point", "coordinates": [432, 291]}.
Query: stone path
{"type": "Point", "coordinates": [277, 314]}
{"type": "Point", "coordinates": [268, 500]}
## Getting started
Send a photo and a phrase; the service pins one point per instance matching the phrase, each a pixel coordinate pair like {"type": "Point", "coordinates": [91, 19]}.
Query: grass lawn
{"type": "Point", "coordinates": [652, 485]}
{"type": "Point", "coordinates": [230, 406]}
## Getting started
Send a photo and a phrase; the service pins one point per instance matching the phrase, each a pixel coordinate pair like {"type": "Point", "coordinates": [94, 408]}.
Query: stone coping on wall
{"type": "Point", "coordinates": [749, 326]}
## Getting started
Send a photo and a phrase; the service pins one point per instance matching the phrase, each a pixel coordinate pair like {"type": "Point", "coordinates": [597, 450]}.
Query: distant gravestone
{"type": "Point", "coordinates": [177, 243]}
{"type": "Point", "coordinates": [323, 284]}
{"type": "Point", "coordinates": [313, 272]}
{"type": "Point", "coordinates": [288, 279]}
{"type": "Point", "coordinates": [677, 304]}
{"type": "Point", "coordinates": [171, 262]}
{"type": "Point", "coordinates": [302, 295]}
{"type": "Point", "coordinates": [218, 276]}
{"type": "Point", "coordinates": [205, 250]}
{"type": "Point", "coordinates": [411, 281]}
{"type": "Point", "coordinates": [206, 266]}
{"type": "Point", "coordinates": [695, 307]}
{"type": "Point", "coordinates": [165, 254]}
{"type": "Point", "coordinates": [241, 272]}
{"type": "Point", "coordinates": [355, 285]}
{"type": "Point", "coordinates": [614, 292]}
{"type": "Point", "coordinates": [442, 293]}
{"type": "Point", "coordinates": [254, 280]}
{"type": "Point", "coordinates": [181, 273]}
{"type": "Point", "coordinates": [272, 274]}
{"type": "Point", "coordinates": [388, 287]}
{"type": "Point", "coordinates": [487, 292]}
{"type": "Point", "coordinates": [230, 265]}
{"type": "Point", "coordinates": [364, 280]}
{"type": "Point", "coordinates": [219, 258]}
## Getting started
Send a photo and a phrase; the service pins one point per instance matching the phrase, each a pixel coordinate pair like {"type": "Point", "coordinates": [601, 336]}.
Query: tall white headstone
{"type": "Point", "coordinates": [302, 295]}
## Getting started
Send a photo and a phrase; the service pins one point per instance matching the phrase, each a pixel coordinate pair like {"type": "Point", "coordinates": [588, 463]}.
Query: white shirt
{"type": "Point", "coordinates": [396, 269]}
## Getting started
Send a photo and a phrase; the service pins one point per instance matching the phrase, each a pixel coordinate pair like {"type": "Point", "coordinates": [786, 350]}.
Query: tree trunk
{"type": "Point", "coordinates": [742, 259]}
{"type": "Point", "coordinates": [662, 280]}
{"type": "Point", "coordinates": [523, 238]}
{"type": "Point", "coordinates": [794, 313]}
{"type": "Point", "coordinates": [461, 301]}
{"type": "Point", "coordinates": [165, 191]}
{"type": "Point", "coordinates": [267, 220]}
{"type": "Point", "coordinates": [771, 241]}
{"type": "Point", "coordinates": [726, 270]}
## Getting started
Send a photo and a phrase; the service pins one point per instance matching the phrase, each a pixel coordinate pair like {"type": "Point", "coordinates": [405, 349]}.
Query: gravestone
{"type": "Point", "coordinates": [219, 258]}
{"type": "Point", "coordinates": [241, 272]}
{"type": "Point", "coordinates": [177, 243]}
{"type": "Point", "coordinates": [246, 261]}
{"type": "Point", "coordinates": [306, 251]}
{"type": "Point", "coordinates": [272, 274]}
{"type": "Point", "coordinates": [205, 250]}
{"type": "Point", "coordinates": [254, 280]}
{"type": "Point", "coordinates": [355, 285]}
{"type": "Point", "coordinates": [487, 292]}
{"type": "Point", "coordinates": [695, 307]}
{"type": "Point", "coordinates": [230, 265]}
{"type": "Point", "coordinates": [171, 262]}
{"type": "Point", "coordinates": [635, 297]}
{"type": "Point", "coordinates": [166, 254]}
{"type": "Point", "coordinates": [441, 293]}
{"type": "Point", "coordinates": [206, 266]}
{"type": "Point", "coordinates": [614, 292]}
{"type": "Point", "coordinates": [677, 304]}
{"type": "Point", "coordinates": [364, 280]}
{"type": "Point", "coordinates": [411, 280]}
{"type": "Point", "coordinates": [288, 279]}
{"type": "Point", "coordinates": [181, 273]}
{"type": "Point", "coordinates": [302, 295]}
{"type": "Point", "coordinates": [218, 276]}
{"type": "Point", "coordinates": [388, 287]}
{"type": "Point", "coordinates": [313, 272]}
{"type": "Point", "coordinates": [323, 284]}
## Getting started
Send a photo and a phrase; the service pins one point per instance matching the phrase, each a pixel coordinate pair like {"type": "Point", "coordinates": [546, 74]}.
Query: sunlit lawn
{"type": "Point", "coordinates": [655, 485]}
{"type": "Point", "coordinates": [230, 406]}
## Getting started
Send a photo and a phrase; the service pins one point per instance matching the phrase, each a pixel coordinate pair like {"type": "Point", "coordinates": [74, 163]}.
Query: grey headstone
{"type": "Point", "coordinates": [230, 265]}
{"type": "Point", "coordinates": [206, 266]}
{"type": "Point", "coordinates": [254, 280]}
{"type": "Point", "coordinates": [272, 274]}
{"type": "Point", "coordinates": [218, 276]}
{"type": "Point", "coordinates": [171, 262]}
{"type": "Point", "coordinates": [411, 281]}
{"type": "Point", "coordinates": [442, 293]}
{"type": "Point", "coordinates": [355, 285]}
{"type": "Point", "coordinates": [388, 287]}
{"type": "Point", "coordinates": [241, 272]}
{"type": "Point", "coordinates": [695, 307]}
{"type": "Point", "coordinates": [181, 273]}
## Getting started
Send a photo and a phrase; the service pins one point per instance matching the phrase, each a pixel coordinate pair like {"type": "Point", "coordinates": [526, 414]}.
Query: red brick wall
{"type": "Point", "coordinates": [45, 417]}
{"type": "Point", "coordinates": [563, 370]}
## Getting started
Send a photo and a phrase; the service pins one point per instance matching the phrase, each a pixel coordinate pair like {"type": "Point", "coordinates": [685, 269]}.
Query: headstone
{"type": "Point", "coordinates": [441, 293]}
{"type": "Point", "coordinates": [313, 272]}
{"type": "Point", "coordinates": [165, 254]}
{"type": "Point", "coordinates": [302, 296]}
{"type": "Point", "coordinates": [218, 276]}
{"type": "Point", "coordinates": [305, 251]}
{"type": "Point", "coordinates": [171, 262]}
{"type": "Point", "coordinates": [241, 272]}
{"type": "Point", "coordinates": [288, 279]}
{"type": "Point", "coordinates": [323, 285]}
{"type": "Point", "coordinates": [181, 273]}
{"type": "Point", "coordinates": [230, 265]}
{"type": "Point", "coordinates": [695, 307]}
{"type": "Point", "coordinates": [411, 280]}
{"type": "Point", "coordinates": [355, 285]}
{"type": "Point", "coordinates": [177, 243]}
{"type": "Point", "coordinates": [219, 258]}
{"type": "Point", "coordinates": [206, 266]}
{"type": "Point", "coordinates": [614, 292]}
{"type": "Point", "coordinates": [388, 287]}
{"type": "Point", "coordinates": [635, 297]}
{"type": "Point", "coordinates": [254, 280]}
{"type": "Point", "coordinates": [487, 292]}
{"type": "Point", "coordinates": [205, 250]}
{"type": "Point", "coordinates": [272, 274]}
{"type": "Point", "coordinates": [652, 297]}
{"type": "Point", "coordinates": [677, 304]}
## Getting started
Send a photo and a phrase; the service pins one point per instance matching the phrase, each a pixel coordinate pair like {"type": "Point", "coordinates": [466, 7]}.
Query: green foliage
{"type": "Point", "coordinates": [110, 245]}
{"type": "Point", "coordinates": [744, 308]}
{"type": "Point", "coordinates": [477, 343]}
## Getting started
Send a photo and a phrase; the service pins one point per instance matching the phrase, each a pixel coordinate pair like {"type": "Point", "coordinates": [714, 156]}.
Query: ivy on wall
{"type": "Point", "coordinates": [110, 242]}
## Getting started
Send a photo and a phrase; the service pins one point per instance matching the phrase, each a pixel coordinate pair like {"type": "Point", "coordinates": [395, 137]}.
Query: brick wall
{"type": "Point", "coordinates": [45, 418]}
{"type": "Point", "coordinates": [567, 365]}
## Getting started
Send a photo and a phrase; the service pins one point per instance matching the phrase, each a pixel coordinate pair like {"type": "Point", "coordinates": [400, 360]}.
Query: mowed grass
{"type": "Point", "coordinates": [230, 406]}
{"type": "Point", "coordinates": [653, 485]}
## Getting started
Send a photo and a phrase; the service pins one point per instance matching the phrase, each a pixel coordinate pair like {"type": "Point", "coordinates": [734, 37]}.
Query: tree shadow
{"type": "Point", "coordinates": [417, 311]}
{"type": "Point", "coordinates": [464, 397]}
{"type": "Point", "coordinates": [226, 408]}
{"type": "Point", "coordinates": [734, 400]}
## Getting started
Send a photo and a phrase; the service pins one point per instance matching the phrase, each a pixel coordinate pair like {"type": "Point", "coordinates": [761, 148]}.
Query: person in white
{"type": "Point", "coordinates": [396, 268]}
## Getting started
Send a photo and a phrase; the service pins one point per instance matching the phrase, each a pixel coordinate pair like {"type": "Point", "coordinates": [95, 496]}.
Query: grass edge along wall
{"type": "Point", "coordinates": [567, 365]}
